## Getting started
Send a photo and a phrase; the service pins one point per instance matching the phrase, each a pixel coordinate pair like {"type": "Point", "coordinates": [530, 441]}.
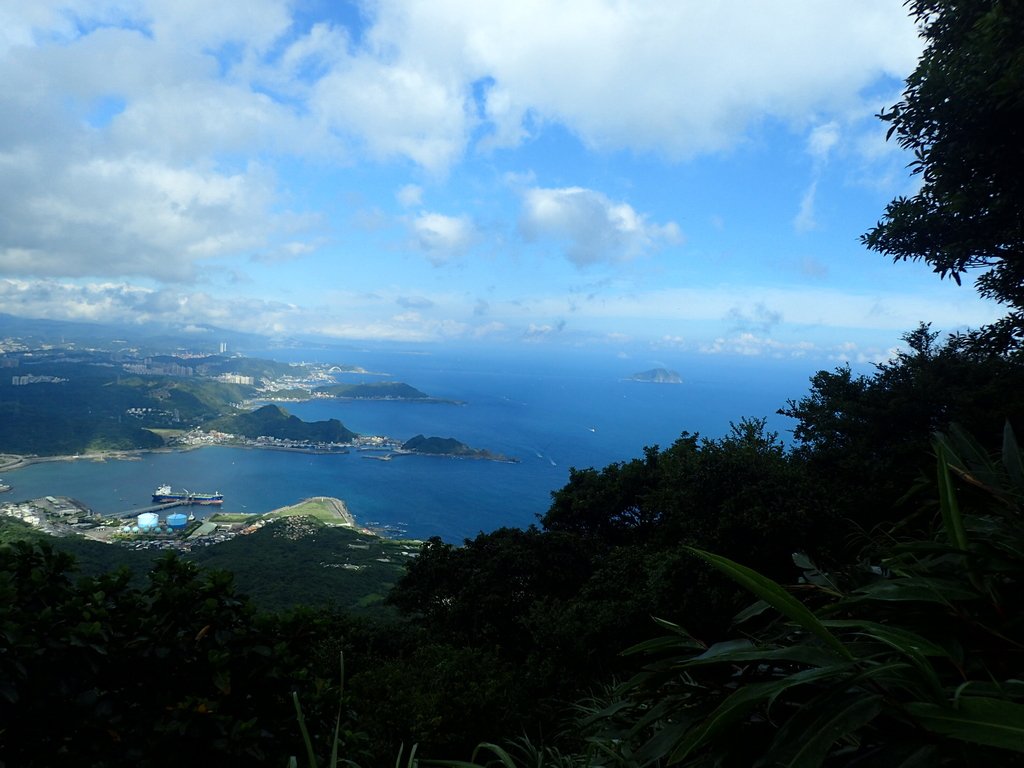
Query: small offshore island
{"type": "Point", "coordinates": [443, 446]}
{"type": "Point", "coordinates": [657, 376]}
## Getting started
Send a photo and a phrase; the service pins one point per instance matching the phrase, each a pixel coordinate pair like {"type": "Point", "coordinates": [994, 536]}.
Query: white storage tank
{"type": "Point", "coordinates": [148, 521]}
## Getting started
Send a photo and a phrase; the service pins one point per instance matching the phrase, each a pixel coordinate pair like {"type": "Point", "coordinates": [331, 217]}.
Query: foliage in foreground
{"type": "Point", "coordinates": [913, 660]}
{"type": "Point", "coordinates": [101, 673]}
{"type": "Point", "coordinates": [961, 116]}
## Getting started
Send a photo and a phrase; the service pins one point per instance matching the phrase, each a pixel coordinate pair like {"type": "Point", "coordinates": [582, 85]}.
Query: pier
{"type": "Point", "coordinates": [152, 508]}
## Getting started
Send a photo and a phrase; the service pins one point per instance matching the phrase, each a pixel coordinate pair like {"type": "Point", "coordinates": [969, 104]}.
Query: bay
{"type": "Point", "coordinates": [548, 413]}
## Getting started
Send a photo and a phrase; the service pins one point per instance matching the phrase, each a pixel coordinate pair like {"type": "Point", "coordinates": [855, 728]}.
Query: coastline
{"type": "Point", "coordinates": [12, 461]}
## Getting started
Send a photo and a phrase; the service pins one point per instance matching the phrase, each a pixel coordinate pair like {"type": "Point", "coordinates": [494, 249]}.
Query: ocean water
{"type": "Point", "coordinates": [549, 413]}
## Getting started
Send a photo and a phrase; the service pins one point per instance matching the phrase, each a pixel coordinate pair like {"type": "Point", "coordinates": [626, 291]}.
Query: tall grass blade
{"type": "Point", "coordinates": [310, 754]}
{"type": "Point", "coordinates": [948, 505]}
{"type": "Point", "coordinates": [993, 722]}
{"type": "Point", "coordinates": [777, 597]}
{"type": "Point", "coordinates": [831, 726]}
{"type": "Point", "coordinates": [504, 757]}
{"type": "Point", "coordinates": [1012, 460]}
{"type": "Point", "coordinates": [341, 704]}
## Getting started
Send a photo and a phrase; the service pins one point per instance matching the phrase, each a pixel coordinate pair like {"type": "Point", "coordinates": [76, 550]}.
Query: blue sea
{"type": "Point", "coordinates": [548, 412]}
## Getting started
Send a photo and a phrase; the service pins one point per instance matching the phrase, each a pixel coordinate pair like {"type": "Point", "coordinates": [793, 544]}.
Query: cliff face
{"type": "Point", "coordinates": [658, 376]}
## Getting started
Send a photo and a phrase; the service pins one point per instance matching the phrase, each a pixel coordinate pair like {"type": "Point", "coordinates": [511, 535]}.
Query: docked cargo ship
{"type": "Point", "coordinates": [164, 495]}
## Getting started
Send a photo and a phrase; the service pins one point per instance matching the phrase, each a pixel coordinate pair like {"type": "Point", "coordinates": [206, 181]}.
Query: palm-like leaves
{"type": "Point", "coordinates": [919, 664]}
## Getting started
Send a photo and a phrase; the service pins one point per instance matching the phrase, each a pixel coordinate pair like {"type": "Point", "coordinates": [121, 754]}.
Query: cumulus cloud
{"type": "Point", "coordinates": [395, 111]}
{"type": "Point", "coordinates": [409, 86]}
{"type": "Point", "coordinates": [599, 67]}
{"type": "Point", "coordinates": [120, 302]}
{"type": "Point", "coordinates": [124, 121]}
{"type": "Point", "coordinates": [128, 217]}
{"type": "Point", "coordinates": [591, 227]}
{"type": "Point", "coordinates": [128, 123]}
{"type": "Point", "coordinates": [441, 237]}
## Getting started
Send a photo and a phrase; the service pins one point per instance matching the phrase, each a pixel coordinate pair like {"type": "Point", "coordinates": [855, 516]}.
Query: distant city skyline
{"type": "Point", "coordinates": [631, 177]}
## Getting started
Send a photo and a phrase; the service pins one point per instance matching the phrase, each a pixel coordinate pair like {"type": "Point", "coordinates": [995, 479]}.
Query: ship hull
{"type": "Point", "coordinates": [211, 499]}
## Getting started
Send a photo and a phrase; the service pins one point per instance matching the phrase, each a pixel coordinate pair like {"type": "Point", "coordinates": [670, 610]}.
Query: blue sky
{"type": "Point", "coordinates": [621, 176]}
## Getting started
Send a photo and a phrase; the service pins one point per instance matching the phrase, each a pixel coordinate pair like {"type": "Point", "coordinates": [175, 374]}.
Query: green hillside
{"type": "Point", "coordinates": [301, 561]}
{"type": "Point", "coordinates": [384, 390]}
{"type": "Point", "coordinates": [273, 421]}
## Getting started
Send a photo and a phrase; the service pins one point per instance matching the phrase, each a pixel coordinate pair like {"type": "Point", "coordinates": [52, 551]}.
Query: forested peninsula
{"type": "Point", "coordinates": [66, 402]}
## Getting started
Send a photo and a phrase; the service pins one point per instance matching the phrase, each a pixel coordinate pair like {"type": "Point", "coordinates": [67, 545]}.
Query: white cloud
{"type": "Point", "coordinates": [395, 111]}
{"type": "Point", "coordinates": [598, 67]}
{"type": "Point", "coordinates": [805, 220]}
{"type": "Point", "coordinates": [892, 312]}
{"type": "Point", "coordinates": [538, 331]}
{"type": "Point", "coordinates": [410, 196]}
{"type": "Point", "coordinates": [493, 328]}
{"type": "Point", "coordinates": [124, 120]}
{"type": "Point", "coordinates": [407, 88]}
{"type": "Point", "coordinates": [822, 139]}
{"type": "Point", "coordinates": [441, 237]}
{"type": "Point", "coordinates": [752, 345]}
{"type": "Point", "coordinates": [592, 228]}
{"type": "Point", "coordinates": [131, 216]}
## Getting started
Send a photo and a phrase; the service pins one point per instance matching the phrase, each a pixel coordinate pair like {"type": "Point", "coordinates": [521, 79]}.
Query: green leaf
{"type": "Point", "coordinates": [776, 596]}
{"type": "Point", "coordinates": [735, 706]}
{"type": "Point", "coordinates": [742, 651]}
{"type": "Point", "coordinates": [1012, 460]}
{"type": "Point", "coordinates": [500, 753]}
{"type": "Point", "coordinates": [755, 609]}
{"type": "Point", "coordinates": [893, 636]}
{"type": "Point", "coordinates": [679, 638]}
{"type": "Point", "coordinates": [310, 754]}
{"type": "Point", "coordinates": [909, 644]}
{"type": "Point", "coordinates": [830, 726]}
{"type": "Point", "coordinates": [803, 562]}
{"type": "Point", "coordinates": [993, 722]}
{"type": "Point", "coordinates": [948, 505]}
{"type": "Point", "coordinates": [743, 700]}
{"type": "Point", "coordinates": [914, 589]}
